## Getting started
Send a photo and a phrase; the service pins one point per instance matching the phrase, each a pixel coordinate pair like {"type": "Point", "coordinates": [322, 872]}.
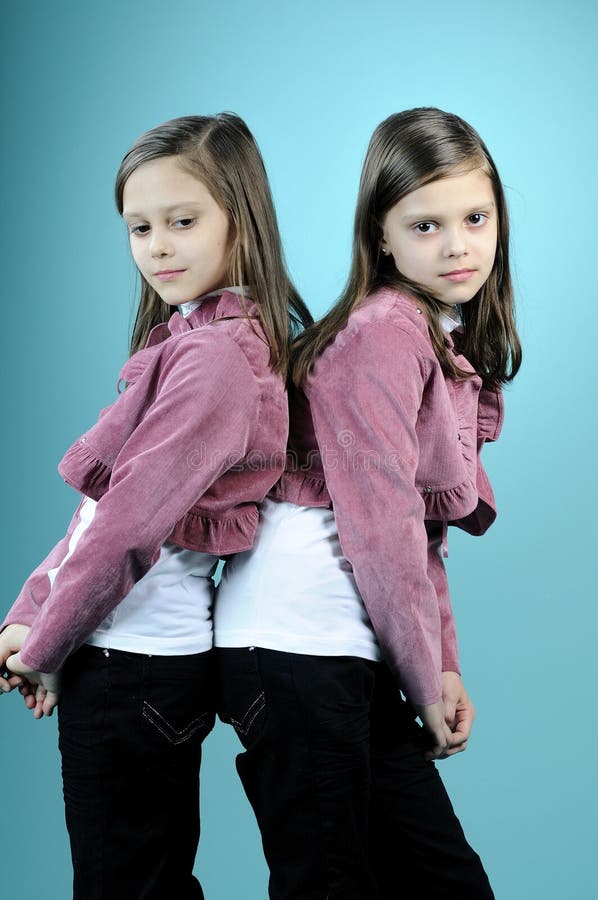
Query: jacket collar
{"type": "Point", "coordinates": [225, 305]}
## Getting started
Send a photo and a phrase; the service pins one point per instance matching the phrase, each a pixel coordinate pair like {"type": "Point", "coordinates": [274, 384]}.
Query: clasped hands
{"type": "Point", "coordinates": [39, 690]}
{"type": "Point", "coordinates": [448, 722]}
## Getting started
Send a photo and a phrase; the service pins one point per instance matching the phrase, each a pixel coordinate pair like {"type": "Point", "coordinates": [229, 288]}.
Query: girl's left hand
{"type": "Point", "coordinates": [459, 710]}
{"type": "Point", "coordinates": [42, 689]}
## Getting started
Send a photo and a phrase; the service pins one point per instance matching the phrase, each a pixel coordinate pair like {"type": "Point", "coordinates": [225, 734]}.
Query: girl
{"type": "Point", "coordinates": [171, 476]}
{"type": "Point", "coordinates": [343, 602]}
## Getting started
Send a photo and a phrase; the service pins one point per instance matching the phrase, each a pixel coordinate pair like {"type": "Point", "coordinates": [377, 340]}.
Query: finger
{"type": "Point", "coordinates": [458, 749]}
{"type": "Point", "coordinates": [463, 724]}
{"type": "Point", "coordinates": [436, 753]}
{"type": "Point", "coordinates": [462, 732]}
{"type": "Point", "coordinates": [29, 700]}
{"type": "Point", "coordinates": [50, 703]}
{"type": "Point", "coordinates": [438, 750]}
{"type": "Point", "coordinates": [450, 707]}
{"type": "Point", "coordinates": [40, 696]}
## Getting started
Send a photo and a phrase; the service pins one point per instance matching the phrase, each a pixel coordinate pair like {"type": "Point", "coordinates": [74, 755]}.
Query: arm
{"type": "Point", "coordinates": [365, 404]}
{"type": "Point", "coordinates": [437, 575]}
{"type": "Point", "coordinates": [39, 691]}
{"type": "Point", "coordinates": [35, 591]}
{"type": "Point", "coordinates": [206, 397]}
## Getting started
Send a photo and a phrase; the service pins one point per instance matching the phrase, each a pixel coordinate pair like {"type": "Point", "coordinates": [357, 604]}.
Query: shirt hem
{"type": "Point", "coordinates": [301, 644]}
{"type": "Point", "coordinates": [151, 645]}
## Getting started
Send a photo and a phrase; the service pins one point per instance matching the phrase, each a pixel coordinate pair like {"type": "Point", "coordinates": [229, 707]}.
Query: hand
{"type": "Point", "coordinates": [459, 710]}
{"type": "Point", "coordinates": [433, 718]}
{"type": "Point", "coordinates": [47, 692]}
{"type": "Point", "coordinates": [11, 641]}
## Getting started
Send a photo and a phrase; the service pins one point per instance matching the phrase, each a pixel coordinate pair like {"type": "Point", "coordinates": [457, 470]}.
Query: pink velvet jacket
{"type": "Point", "coordinates": [185, 454]}
{"type": "Point", "coordinates": [394, 447]}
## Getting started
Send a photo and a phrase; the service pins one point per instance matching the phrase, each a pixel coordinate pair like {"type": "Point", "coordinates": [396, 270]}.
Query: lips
{"type": "Point", "coordinates": [458, 275]}
{"type": "Point", "coordinates": [168, 274]}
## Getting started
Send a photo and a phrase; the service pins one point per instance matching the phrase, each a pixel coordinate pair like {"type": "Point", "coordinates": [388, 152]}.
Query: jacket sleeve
{"type": "Point", "coordinates": [365, 400]}
{"type": "Point", "coordinates": [437, 575]}
{"type": "Point", "coordinates": [207, 397]}
{"type": "Point", "coordinates": [34, 592]}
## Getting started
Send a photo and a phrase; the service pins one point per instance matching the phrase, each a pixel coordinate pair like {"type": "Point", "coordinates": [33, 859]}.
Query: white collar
{"type": "Point", "coordinates": [187, 308]}
{"type": "Point", "coordinates": [448, 322]}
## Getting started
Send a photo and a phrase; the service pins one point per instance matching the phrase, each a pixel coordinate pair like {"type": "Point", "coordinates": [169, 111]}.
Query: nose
{"type": "Point", "coordinates": [160, 244]}
{"type": "Point", "coordinates": [455, 243]}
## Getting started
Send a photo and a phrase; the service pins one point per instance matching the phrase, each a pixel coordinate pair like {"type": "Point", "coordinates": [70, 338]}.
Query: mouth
{"type": "Point", "coordinates": [168, 274]}
{"type": "Point", "coordinates": [458, 275]}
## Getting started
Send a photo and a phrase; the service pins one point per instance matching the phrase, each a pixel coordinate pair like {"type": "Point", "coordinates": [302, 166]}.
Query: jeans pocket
{"type": "Point", "coordinates": [250, 724]}
{"type": "Point", "coordinates": [242, 695]}
{"type": "Point", "coordinates": [173, 734]}
{"type": "Point", "coordinates": [179, 698]}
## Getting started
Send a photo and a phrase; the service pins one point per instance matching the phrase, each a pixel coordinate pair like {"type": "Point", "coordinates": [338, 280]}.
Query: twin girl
{"type": "Point", "coordinates": [330, 645]}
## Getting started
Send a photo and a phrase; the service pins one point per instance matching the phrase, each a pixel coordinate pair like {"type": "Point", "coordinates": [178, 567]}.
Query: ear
{"type": "Point", "coordinates": [382, 241]}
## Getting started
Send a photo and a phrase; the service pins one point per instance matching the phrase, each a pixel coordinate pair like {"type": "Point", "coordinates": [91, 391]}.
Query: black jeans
{"type": "Point", "coordinates": [131, 728]}
{"type": "Point", "coordinates": [333, 766]}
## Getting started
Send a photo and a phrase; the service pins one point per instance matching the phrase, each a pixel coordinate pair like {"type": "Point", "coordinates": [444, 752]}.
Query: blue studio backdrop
{"type": "Point", "coordinates": [79, 83]}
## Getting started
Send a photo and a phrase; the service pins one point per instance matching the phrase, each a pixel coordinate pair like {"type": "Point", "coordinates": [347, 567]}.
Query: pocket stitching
{"type": "Point", "coordinates": [240, 725]}
{"type": "Point", "coordinates": [182, 735]}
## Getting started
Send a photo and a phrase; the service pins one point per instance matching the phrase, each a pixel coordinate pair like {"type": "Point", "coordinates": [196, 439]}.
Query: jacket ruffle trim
{"type": "Point", "coordinates": [83, 471]}
{"type": "Point", "coordinates": [302, 490]}
{"type": "Point", "coordinates": [451, 504]}
{"type": "Point", "coordinates": [490, 414]}
{"type": "Point", "coordinates": [469, 508]}
{"type": "Point", "coordinates": [479, 520]}
{"type": "Point", "coordinates": [197, 531]}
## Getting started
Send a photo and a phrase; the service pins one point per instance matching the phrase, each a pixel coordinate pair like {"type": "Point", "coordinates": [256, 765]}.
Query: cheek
{"type": "Point", "coordinates": [413, 258]}
{"type": "Point", "coordinates": [491, 248]}
{"type": "Point", "coordinates": [136, 254]}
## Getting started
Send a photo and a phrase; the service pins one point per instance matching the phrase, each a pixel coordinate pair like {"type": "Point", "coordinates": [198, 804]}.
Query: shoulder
{"type": "Point", "coordinates": [385, 328]}
{"type": "Point", "coordinates": [224, 339]}
{"type": "Point", "coordinates": [206, 358]}
{"type": "Point", "coordinates": [239, 324]}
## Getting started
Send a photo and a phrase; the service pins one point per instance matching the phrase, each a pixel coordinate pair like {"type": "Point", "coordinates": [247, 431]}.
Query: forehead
{"type": "Point", "coordinates": [459, 193]}
{"type": "Point", "coordinates": [161, 183]}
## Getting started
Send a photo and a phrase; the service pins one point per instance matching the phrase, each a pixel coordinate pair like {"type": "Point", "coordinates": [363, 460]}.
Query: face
{"type": "Point", "coordinates": [179, 235]}
{"type": "Point", "coordinates": [443, 235]}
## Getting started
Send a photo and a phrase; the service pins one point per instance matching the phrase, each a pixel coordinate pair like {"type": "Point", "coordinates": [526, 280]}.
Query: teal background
{"type": "Point", "coordinates": [79, 82]}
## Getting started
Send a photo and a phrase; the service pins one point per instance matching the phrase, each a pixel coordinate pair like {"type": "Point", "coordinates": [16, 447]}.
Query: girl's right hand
{"type": "Point", "coordinates": [41, 690]}
{"type": "Point", "coordinates": [11, 641]}
{"type": "Point", "coordinates": [442, 738]}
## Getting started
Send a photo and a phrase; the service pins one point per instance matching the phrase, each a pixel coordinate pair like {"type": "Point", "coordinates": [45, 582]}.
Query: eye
{"type": "Point", "coordinates": [185, 222]}
{"type": "Point", "coordinates": [425, 228]}
{"type": "Point", "coordinates": [139, 229]}
{"type": "Point", "coordinates": [477, 219]}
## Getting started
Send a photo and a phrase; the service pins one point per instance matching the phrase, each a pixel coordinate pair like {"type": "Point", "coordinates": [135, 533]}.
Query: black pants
{"type": "Point", "coordinates": [131, 728]}
{"type": "Point", "coordinates": [333, 766]}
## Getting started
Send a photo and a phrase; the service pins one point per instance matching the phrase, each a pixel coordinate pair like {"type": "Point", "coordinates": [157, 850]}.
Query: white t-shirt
{"type": "Point", "coordinates": [168, 612]}
{"type": "Point", "coordinates": [294, 591]}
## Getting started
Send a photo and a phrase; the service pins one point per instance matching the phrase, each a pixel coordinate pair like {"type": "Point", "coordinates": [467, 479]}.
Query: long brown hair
{"type": "Point", "coordinates": [406, 151]}
{"type": "Point", "coordinates": [221, 152]}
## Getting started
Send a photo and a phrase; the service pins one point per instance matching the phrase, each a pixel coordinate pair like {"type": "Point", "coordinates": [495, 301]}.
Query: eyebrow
{"type": "Point", "coordinates": [184, 204]}
{"type": "Point", "coordinates": [425, 217]}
